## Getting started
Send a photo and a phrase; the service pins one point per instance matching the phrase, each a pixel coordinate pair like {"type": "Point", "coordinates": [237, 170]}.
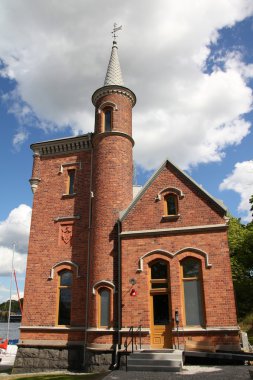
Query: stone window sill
{"type": "Point", "coordinates": [68, 195]}
{"type": "Point", "coordinates": [167, 218]}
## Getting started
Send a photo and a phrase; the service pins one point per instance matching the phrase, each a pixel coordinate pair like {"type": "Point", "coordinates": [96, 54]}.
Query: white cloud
{"type": "Point", "coordinates": [241, 181]}
{"type": "Point", "coordinates": [6, 261]}
{"type": "Point", "coordinates": [58, 56]}
{"type": "Point", "coordinates": [15, 229]}
{"type": "Point", "coordinates": [19, 138]}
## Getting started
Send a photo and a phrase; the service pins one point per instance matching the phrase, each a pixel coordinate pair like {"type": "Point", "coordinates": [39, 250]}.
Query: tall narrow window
{"type": "Point", "coordinates": [192, 285]}
{"type": "Point", "coordinates": [71, 181]}
{"type": "Point", "coordinates": [104, 307]}
{"type": "Point", "coordinates": [171, 204]}
{"type": "Point", "coordinates": [107, 120]}
{"type": "Point", "coordinates": [159, 293]}
{"type": "Point", "coordinates": [65, 297]}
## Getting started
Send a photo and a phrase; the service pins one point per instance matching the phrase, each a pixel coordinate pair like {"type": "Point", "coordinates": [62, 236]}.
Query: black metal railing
{"type": "Point", "coordinates": [131, 339]}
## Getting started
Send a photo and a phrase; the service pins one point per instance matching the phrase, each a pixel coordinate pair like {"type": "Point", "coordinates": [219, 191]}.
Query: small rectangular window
{"type": "Point", "coordinates": [71, 181]}
{"type": "Point", "coordinates": [108, 120]}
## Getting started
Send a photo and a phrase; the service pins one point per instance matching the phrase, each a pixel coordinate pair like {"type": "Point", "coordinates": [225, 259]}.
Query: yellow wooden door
{"type": "Point", "coordinates": [161, 336]}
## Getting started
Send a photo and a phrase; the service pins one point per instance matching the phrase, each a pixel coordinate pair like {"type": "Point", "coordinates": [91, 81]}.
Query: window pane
{"type": "Point", "coordinates": [66, 278]}
{"type": "Point", "coordinates": [190, 268]}
{"type": "Point", "coordinates": [193, 302]}
{"type": "Point", "coordinates": [161, 309]}
{"type": "Point", "coordinates": [64, 306]}
{"type": "Point", "coordinates": [108, 115]}
{"type": "Point", "coordinates": [105, 308]}
{"type": "Point", "coordinates": [171, 204]}
{"type": "Point", "coordinates": [159, 270]}
{"type": "Point", "coordinates": [71, 174]}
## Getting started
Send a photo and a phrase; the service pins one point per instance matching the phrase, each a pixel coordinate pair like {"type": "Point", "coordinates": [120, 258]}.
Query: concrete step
{"type": "Point", "coordinates": [155, 361]}
{"type": "Point", "coordinates": [158, 355]}
{"type": "Point", "coordinates": [152, 368]}
{"type": "Point", "coordinates": [144, 362]}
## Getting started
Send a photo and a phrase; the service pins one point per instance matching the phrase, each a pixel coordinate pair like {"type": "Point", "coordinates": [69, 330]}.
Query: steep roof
{"type": "Point", "coordinates": [113, 75]}
{"type": "Point", "coordinates": [216, 202]}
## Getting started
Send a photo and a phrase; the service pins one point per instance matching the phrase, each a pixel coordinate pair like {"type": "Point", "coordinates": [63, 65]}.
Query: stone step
{"type": "Point", "coordinates": [152, 368]}
{"type": "Point", "coordinates": [143, 362]}
{"type": "Point", "coordinates": [155, 361]}
{"type": "Point", "coordinates": [157, 355]}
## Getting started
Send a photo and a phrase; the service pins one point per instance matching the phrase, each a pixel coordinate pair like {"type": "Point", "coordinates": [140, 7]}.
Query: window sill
{"type": "Point", "coordinates": [68, 195]}
{"type": "Point", "coordinates": [166, 218]}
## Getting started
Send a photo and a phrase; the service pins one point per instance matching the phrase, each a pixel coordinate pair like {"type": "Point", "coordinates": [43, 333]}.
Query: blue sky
{"type": "Point", "coordinates": [190, 65]}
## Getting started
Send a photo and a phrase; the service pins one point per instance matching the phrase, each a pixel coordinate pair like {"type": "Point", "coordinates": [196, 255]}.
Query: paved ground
{"type": "Point", "coordinates": [189, 373]}
{"type": "Point", "coordinates": [194, 372]}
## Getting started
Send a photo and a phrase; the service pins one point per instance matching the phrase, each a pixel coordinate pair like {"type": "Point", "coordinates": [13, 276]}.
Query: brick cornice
{"type": "Point", "coordinates": [102, 135]}
{"type": "Point", "coordinates": [62, 146]}
{"type": "Point", "coordinates": [113, 89]}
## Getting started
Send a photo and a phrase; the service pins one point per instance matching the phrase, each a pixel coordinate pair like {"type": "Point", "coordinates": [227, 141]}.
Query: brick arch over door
{"type": "Point", "coordinates": [173, 254]}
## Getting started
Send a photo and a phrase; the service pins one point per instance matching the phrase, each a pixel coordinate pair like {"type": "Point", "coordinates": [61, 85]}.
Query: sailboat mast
{"type": "Point", "coordinates": [9, 313]}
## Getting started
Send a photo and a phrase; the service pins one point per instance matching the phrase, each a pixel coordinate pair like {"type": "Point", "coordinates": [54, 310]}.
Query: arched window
{"type": "Point", "coordinates": [193, 293]}
{"type": "Point", "coordinates": [171, 204]}
{"type": "Point", "coordinates": [104, 302]}
{"type": "Point", "coordinates": [64, 297]}
{"type": "Point", "coordinates": [107, 119]}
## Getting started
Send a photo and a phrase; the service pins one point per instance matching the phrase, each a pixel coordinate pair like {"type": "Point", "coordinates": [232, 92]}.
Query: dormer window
{"type": "Point", "coordinates": [171, 204]}
{"type": "Point", "coordinates": [107, 119]}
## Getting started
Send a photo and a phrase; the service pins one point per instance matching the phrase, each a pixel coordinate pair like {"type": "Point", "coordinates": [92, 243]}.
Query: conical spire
{"type": "Point", "coordinates": [113, 75]}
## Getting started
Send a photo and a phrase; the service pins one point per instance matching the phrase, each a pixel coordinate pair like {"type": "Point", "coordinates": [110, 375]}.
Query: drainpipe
{"type": "Point", "coordinates": [119, 283]}
{"type": "Point", "coordinates": [89, 252]}
{"type": "Point", "coordinates": [119, 296]}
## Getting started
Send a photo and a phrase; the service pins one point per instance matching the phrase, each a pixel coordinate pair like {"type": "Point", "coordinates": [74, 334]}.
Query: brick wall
{"type": "Point", "coordinates": [46, 246]}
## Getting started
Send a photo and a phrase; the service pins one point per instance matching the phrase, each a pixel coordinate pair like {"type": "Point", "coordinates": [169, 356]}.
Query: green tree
{"type": "Point", "coordinates": [251, 202]}
{"type": "Point", "coordinates": [240, 239]}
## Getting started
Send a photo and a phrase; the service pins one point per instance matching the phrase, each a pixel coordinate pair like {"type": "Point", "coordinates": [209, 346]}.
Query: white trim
{"type": "Point", "coordinates": [70, 217]}
{"type": "Point", "coordinates": [71, 263]}
{"type": "Point", "coordinates": [62, 166]}
{"type": "Point", "coordinates": [101, 283]}
{"type": "Point", "coordinates": [53, 328]}
{"type": "Point", "coordinates": [165, 231]}
{"type": "Point", "coordinates": [107, 104]}
{"type": "Point", "coordinates": [174, 190]}
{"type": "Point", "coordinates": [207, 329]}
{"type": "Point", "coordinates": [172, 255]}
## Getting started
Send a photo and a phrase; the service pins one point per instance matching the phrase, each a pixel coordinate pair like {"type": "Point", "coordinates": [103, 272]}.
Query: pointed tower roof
{"type": "Point", "coordinates": [113, 75]}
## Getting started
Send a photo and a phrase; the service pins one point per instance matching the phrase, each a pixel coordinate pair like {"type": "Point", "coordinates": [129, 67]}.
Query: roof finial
{"type": "Point", "coordinates": [115, 29]}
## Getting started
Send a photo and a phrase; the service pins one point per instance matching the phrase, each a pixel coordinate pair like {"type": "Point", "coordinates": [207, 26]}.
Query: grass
{"type": "Point", "coordinates": [63, 376]}
{"type": "Point", "coordinates": [246, 324]}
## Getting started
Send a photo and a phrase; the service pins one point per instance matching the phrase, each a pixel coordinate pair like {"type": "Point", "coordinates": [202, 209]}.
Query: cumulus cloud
{"type": "Point", "coordinates": [19, 138]}
{"type": "Point", "coordinates": [15, 228]}
{"type": "Point", "coordinates": [182, 112]}
{"type": "Point", "coordinates": [6, 261]}
{"type": "Point", "coordinates": [241, 181]}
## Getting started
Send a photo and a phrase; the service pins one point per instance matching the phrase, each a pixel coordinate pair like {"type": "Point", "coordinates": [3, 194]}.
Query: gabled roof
{"type": "Point", "coordinates": [113, 75]}
{"type": "Point", "coordinates": [216, 202]}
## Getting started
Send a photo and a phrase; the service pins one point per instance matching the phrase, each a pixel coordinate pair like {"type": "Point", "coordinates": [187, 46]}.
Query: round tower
{"type": "Point", "coordinates": [112, 182]}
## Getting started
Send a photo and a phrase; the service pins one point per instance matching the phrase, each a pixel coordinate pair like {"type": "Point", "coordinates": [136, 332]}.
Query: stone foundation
{"type": "Point", "coordinates": [44, 359]}
{"type": "Point", "coordinates": [99, 361]}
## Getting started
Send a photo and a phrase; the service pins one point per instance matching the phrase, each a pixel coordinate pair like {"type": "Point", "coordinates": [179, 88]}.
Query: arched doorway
{"type": "Point", "coordinates": [160, 305]}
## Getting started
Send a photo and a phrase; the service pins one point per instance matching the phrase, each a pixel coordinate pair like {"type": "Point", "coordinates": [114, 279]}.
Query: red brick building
{"type": "Point", "coordinates": [101, 260]}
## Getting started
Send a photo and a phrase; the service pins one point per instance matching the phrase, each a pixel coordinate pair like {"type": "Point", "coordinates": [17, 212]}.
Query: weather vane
{"type": "Point", "coordinates": [115, 29]}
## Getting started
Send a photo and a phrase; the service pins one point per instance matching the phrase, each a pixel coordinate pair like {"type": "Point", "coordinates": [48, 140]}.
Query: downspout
{"type": "Point", "coordinates": [88, 253]}
{"type": "Point", "coordinates": [115, 365]}
{"type": "Point", "coordinates": [119, 284]}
